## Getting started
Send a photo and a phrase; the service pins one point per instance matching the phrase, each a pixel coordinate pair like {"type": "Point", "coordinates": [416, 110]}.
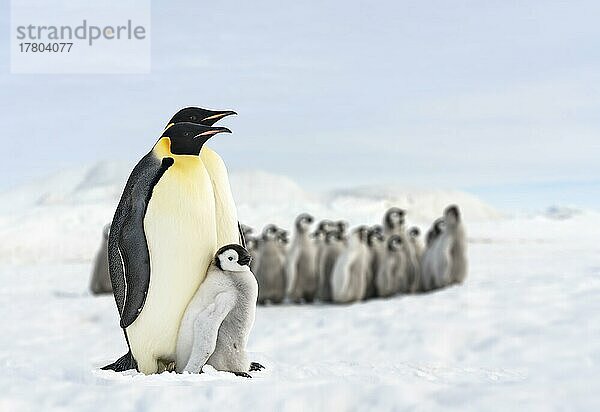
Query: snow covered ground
{"type": "Point", "coordinates": [522, 332]}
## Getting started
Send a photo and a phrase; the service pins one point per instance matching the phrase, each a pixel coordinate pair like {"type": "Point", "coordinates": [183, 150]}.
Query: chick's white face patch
{"type": "Point", "coordinates": [229, 261]}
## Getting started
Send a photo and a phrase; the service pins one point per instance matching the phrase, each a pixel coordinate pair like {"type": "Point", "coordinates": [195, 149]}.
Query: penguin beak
{"type": "Point", "coordinates": [210, 133]}
{"type": "Point", "coordinates": [245, 260]}
{"type": "Point", "coordinates": [215, 116]}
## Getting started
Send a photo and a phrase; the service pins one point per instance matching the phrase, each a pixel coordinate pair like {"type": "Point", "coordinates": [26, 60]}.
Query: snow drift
{"type": "Point", "coordinates": [61, 217]}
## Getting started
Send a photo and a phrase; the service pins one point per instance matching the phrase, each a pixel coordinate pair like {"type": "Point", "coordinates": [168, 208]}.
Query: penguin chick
{"type": "Point", "coordinates": [392, 273]}
{"type": "Point", "coordinates": [376, 244]}
{"type": "Point", "coordinates": [326, 226]}
{"type": "Point", "coordinates": [333, 246]}
{"type": "Point", "coordinates": [414, 235]}
{"type": "Point", "coordinates": [416, 250]}
{"type": "Point", "coordinates": [348, 280]}
{"type": "Point", "coordinates": [217, 322]}
{"type": "Point", "coordinates": [393, 221]}
{"type": "Point", "coordinates": [246, 230]}
{"type": "Point", "coordinates": [300, 262]}
{"type": "Point", "coordinates": [270, 268]}
{"type": "Point", "coordinates": [393, 224]}
{"type": "Point", "coordinates": [283, 240]}
{"type": "Point", "coordinates": [451, 250]}
{"type": "Point", "coordinates": [100, 281]}
{"type": "Point", "coordinates": [428, 260]}
{"type": "Point", "coordinates": [434, 232]}
{"type": "Point", "coordinates": [341, 227]}
{"type": "Point", "coordinates": [252, 245]}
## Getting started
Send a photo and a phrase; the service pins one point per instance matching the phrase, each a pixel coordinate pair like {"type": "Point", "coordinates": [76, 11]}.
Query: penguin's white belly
{"type": "Point", "coordinates": [180, 231]}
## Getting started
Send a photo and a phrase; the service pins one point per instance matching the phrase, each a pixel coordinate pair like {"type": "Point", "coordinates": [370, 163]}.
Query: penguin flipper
{"type": "Point", "coordinates": [129, 258]}
{"type": "Point", "coordinates": [124, 363]}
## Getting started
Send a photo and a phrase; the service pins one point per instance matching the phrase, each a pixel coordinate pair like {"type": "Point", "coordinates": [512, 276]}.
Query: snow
{"type": "Point", "coordinates": [522, 332]}
{"type": "Point", "coordinates": [72, 205]}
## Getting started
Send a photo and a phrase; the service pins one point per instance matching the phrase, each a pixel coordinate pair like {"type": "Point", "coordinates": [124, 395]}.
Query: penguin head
{"type": "Point", "coordinates": [439, 225]}
{"type": "Point", "coordinates": [331, 237]}
{"type": "Point", "coordinates": [188, 138]}
{"type": "Point", "coordinates": [394, 243]}
{"type": "Point", "coordinates": [282, 236]}
{"type": "Point", "coordinates": [325, 226]}
{"type": "Point", "coordinates": [233, 258]}
{"type": "Point", "coordinates": [394, 217]}
{"type": "Point", "coordinates": [452, 215]}
{"type": "Point", "coordinates": [246, 230]}
{"type": "Point", "coordinates": [414, 232]}
{"type": "Point", "coordinates": [251, 243]}
{"type": "Point", "coordinates": [270, 232]}
{"type": "Point", "coordinates": [436, 229]}
{"type": "Point", "coordinates": [304, 221]}
{"type": "Point", "coordinates": [362, 232]}
{"type": "Point", "coordinates": [319, 234]}
{"type": "Point", "coordinates": [341, 226]}
{"type": "Point", "coordinates": [377, 228]}
{"type": "Point", "coordinates": [199, 115]}
{"type": "Point", "coordinates": [374, 237]}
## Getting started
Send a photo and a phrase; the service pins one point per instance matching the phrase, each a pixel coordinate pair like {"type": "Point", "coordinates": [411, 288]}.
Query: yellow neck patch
{"type": "Point", "coordinates": [162, 149]}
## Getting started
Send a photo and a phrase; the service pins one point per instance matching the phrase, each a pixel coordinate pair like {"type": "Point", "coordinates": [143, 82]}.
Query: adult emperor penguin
{"type": "Point", "coordinates": [217, 322]}
{"type": "Point", "coordinates": [300, 262]}
{"type": "Point", "coordinates": [100, 282]}
{"type": "Point", "coordinates": [162, 239]}
{"type": "Point", "coordinates": [228, 228]}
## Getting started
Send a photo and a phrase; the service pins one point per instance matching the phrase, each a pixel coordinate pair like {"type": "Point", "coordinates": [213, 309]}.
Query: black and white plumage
{"type": "Point", "coordinates": [161, 241]}
{"type": "Point", "coordinates": [217, 322]}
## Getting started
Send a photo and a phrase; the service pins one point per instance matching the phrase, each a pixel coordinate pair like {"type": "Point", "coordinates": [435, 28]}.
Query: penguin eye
{"type": "Point", "coordinates": [187, 134]}
{"type": "Point", "coordinates": [230, 258]}
{"type": "Point", "coordinates": [193, 117]}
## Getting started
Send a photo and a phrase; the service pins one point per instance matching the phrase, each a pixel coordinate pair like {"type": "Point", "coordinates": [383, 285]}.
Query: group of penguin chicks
{"type": "Point", "coordinates": [331, 265]}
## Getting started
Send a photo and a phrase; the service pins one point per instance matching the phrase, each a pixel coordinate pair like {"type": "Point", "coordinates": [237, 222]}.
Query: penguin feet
{"type": "Point", "coordinates": [255, 366]}
{"type": "Point", "coordinates": [242, 374]}
{"type": "Point", "coordinates": [124, 363]}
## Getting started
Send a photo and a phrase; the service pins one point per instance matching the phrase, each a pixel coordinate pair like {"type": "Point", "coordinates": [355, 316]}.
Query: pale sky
{"type": "Point", "coordinates": [498, 97]}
